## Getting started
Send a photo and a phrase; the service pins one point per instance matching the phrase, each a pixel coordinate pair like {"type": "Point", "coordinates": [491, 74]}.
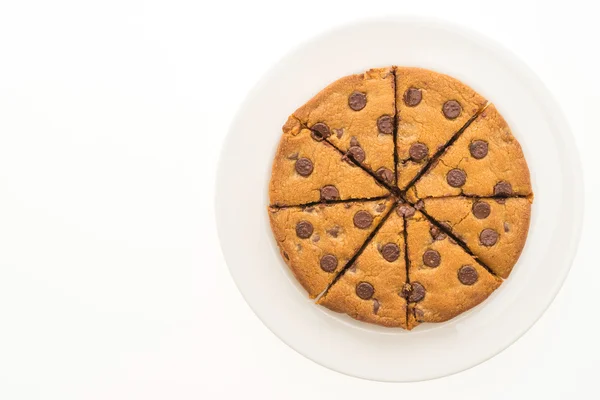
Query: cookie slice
{"type": "Point", "coordinates": [486, 160]}
{"type": "Point", "coordinates": [445, 281]}
{"type": "Point", "coordinates": [306, 171]}
{"type": "Point", "coordinates": [431, 108]}
{"type": "Point", "coordinates": [494, 230]}
{"type": "Point", "coordinates": [371, 289]}
{"type": "Point", "coordinates": [318, 241]}
{"type": "Point", "coordinates": [356, 114]}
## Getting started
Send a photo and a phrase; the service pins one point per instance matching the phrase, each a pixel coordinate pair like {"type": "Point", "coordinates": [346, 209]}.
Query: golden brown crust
{"type": "Point", "coordinates": [504, 162]}
{"type": "Point", "coordinates": [425, 122]}
{"type": "Point", "coordinates": [288, 187]}
{"type": "Point", "coordinates": [333, 233]}
{"type": "Point", "coordinates": [331, 107]}
{"type": "Point", "coordinates": [387, 276]}
{"type": "Point", "coordinates": [509, 219]}
{"type": "Point", "coordinates": [445, 295]}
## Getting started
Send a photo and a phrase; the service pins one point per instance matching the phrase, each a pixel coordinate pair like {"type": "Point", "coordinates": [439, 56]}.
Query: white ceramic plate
{"type": "Point", "coordinates": [432, 350]}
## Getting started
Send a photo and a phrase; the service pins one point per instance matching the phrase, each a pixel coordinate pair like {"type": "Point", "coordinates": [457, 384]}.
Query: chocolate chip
{"type": "Point", "coordinates": [385, 124]}
{"type": "Point", "coordinates": [357, 153]}
{"type": "Point", "coordinates": [320, 131]}
{"type": "Point", "coordinates": [390, 252]}
{"type": "Point", "coordinates": [417, 292]}
{"type": "Point", "coordinates": [506, 227]}
{"type": "Point", "coordinates": [357, 101]}
{"type": "Point", "coordinates": [479, 149]}
{"type": "Point", "coordinates": [334, 232]}
{"type": "Point", "coordinates": [500, 200]}
{"type": "Point", "coordinates": [375, 306]}
{"type": "Point", "coordinates": [329, 192]}
{"type": "Point", "coordinates": [418, 151]}
{"type": "Point", "coordinates": [329, 263]}
{"type": "Point", "coordinates": [380, 207]}
{"type": "Point", "coordinates": [488, 237]}
{"type": "Point", "coordinates": [412, 97]}
{"type": "Point", "coordinates": [436, 233]}
{"type": "Point", "coordinates": [362, 219]}
{"type": "Point", "coordinates": [365, 290]}
{"type": "Point", "coordinates": [481, 210]}
{"type": "Point", "coordinates": [316, 238]}
{"type": "Point", "coordinates": [467, 275]}
{"type": "Point", "coordinates": [385, 175]}
{"type": "Point", "coordinates": [304, 229]}
{"type": "Point", "coordinates": [420, 205]}
{"type": "Point", "coordinates": [287, 257]}
{"type": "Point", "coordinates": [451, 109]}
{"type": "Point", "coordinates": [405, 210]}
{"type": "Point", "coordinates": [354, 141]}
{"type": "Point", "coordinates": [432, 258]}
{"type": "Point", "coordinates": [456, 177]}
{"type": "Point", "coordinates": [503, 188]}
{"type": "Point", "coordinates": [304, 166]}
{"type": "Point", "coordinates": [309, 209]}
{"type": "Point", "coordinates": [352, 268]}
{"type": "Point", "coordinates": [339, 132]}
{"type": "Point", "coordinates": [418, 314]}
{"type": "Point", "coordinates": [293, 156]}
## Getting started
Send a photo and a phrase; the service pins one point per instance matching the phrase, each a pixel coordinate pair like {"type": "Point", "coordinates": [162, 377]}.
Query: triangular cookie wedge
{"type": "Point", "coordinates": [431, 108]}
{"type": "Point", "coordinates": [356, 114]}
{"type": "Point", "coordinates": [445, 280]}
{"type": "Point", "coordinates": [306, 171]}
{"type": "Point", "coordinates": [495, 230]}
{"type": "Point", "coordinates": [486, 160]}
{"type": "Point", "coordinates": [371, 289]}
{"type": "Point", "coordinates": [318, 241]}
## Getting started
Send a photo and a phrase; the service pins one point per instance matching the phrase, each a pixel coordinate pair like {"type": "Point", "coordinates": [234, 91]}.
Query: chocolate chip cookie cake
{"type": "Point", "coordinates": [399, 196]}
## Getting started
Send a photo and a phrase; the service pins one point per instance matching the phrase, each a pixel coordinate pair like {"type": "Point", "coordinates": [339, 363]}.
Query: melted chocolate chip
{"type": "Point", "coordinates": [506, 227]}
{"type": "Point", "coordinates": [456, 177]}
{"type": "Point", "coordinates": [329, 263]}
{"type": "Point", "coordinates": [467, 275]}
{"type": "Point", "coordinates": [334, 231]}
{"type": "Point", "coordinates": [316, 238]}
{"type": "Point", "coordinates": [380, 207]}
{"type": "Point", "coordinates": [488, 237]}
{"type": "Point", "coordinates": [412, 97]}
{"type": "Point", "coordinates": [436, 233]}
{"type": "Point", "coordinates": [479, 149]}
{"type": "Point", "coordinates": [405, 210]}
{"type": "Point", "coordinates": [375, 306]}
{"type": "Point", "coordinates": [390, 252]}
{"type": "Point", "coordinates": [339, 132]}
{"type": "Point", "coordinates": [304, 229]}
{"type": "Point", "coordinates": [362, 219]}
{"type": "Point", "coordinates": [385, 175]}
{"type": "Point", "coordinates": [357, 153]}
{"type": "Point", "coordinates": [293, 156]}
{"type": "Point", "coordinates": [357, 101]}
{"type": "Point", "coordinates": [418, 151]}
{"type": "Point", "coordinates": [451, 109]}
{"type": "Point", "coordinates": [481, 210]}
{"type": "Point", "coordinates": [503, 188]}
{"type": "Point", "coordinates": [329, 192]}
{"type": "Point", "coordinates": [365, 290]}
{"type": "Point", "coordinates": [417, 292]}
{"type": "Point", "coordinates": [385, 124]}
{"type": "Point", "coordinates": [304, 167]}
{"type": "Point", "coordinates": [432, 258]}
{"type": "Point", "coordinates": [320, 131]}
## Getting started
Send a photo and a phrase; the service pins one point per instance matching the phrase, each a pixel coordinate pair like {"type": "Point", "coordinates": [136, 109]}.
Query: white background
{"type": "Point", "coordinates": [112, 283]}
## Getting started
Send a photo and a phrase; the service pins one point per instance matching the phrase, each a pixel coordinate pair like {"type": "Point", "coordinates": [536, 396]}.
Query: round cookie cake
{"type": "Point", "coordinates": [399, 196]}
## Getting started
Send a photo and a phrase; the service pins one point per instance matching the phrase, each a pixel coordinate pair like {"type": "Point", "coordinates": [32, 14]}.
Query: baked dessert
{"type": "Point", "coordinates": [399, 196]}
